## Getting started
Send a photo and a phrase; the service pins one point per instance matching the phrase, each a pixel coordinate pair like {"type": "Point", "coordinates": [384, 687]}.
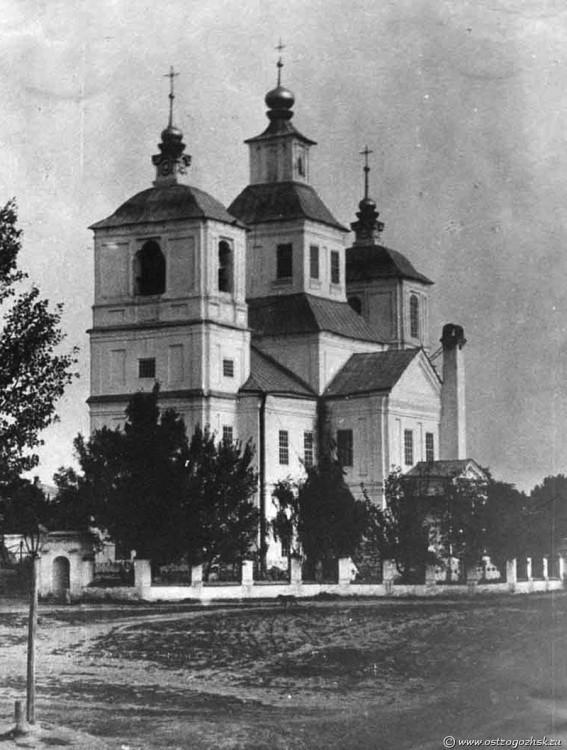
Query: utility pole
{"type": "Point", "coordinates": [32, 629]}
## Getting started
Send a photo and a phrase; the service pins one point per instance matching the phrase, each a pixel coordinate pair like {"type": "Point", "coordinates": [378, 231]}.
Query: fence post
{"type": "Point", "coordinates": [545, 568]}
{"type": "Point", "coordinates": [87, 571]}
{"type": "Point", "coordinates": [511, 573]}
{"type": "Point", "coordinates": [197, 579]}
{"type": "Point", "coordinates": [143, 577]}
{"type": "Point", "coordinates": [345, 570]}
{"type": "Point", "coordinates": [430, 575]}
{"type": "Point", "coordinates": [472, 575]}
{"type": "Point", "coordinates": [295, 576]}
{"type": "Point", "coordinates": [561, 567]}
{"type": "Point", "coordinates": [247, 576]}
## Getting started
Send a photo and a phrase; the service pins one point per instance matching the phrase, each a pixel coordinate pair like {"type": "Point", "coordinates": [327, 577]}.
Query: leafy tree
{"type": "Point", "coordinates": [429, 520]}
{"type": "Point", "coordinates": [546, 516]}
{"type": "Point", "coordinates": [131, 481]}
{"type": "Point", "coordinates": [402, 529]}
{"type": "Point", "coordinates": [319, 516]}
{"type": "Point", "coordinates": [154, 492]}
{"type": "Point", "coordinates": [24, 505]}
{"type": "Point", "coordinates": [220, 521]}
{"type": "Point", "coordinates": [506, 521]}
{"type": "Point", "coordinates": [33, 375]}
{"type": "Point", "coordinates": [461, 523]}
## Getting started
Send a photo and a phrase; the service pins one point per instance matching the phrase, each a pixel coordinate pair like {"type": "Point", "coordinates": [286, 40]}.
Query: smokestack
{"type": "Point", "coordinates": [453, 427]}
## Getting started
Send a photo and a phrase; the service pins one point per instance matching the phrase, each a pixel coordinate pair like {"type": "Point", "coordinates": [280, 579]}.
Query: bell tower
{"type": "Point", "coordinates": [170, 268]}
{"type": "Point", "coordinates": [382, 285]}
{"type": "Point", "coordinates": [295, 244]}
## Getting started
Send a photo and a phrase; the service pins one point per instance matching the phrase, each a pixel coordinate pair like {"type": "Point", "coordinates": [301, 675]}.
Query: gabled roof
{"type": "Point", "coordinates": [447, 469]}
{"type": "Point", "coordinates": [373, 372]}
{"type": "Point", "coordinates": [376, 261]}
{"type": "Point", "coordinates": [167, 203]}
{"type": "Point", "coordinates": [278, 201]}
{"type": "Point", "coordinates": [306, 313]}
{"type": "Point", "coordinates": [268, 376]}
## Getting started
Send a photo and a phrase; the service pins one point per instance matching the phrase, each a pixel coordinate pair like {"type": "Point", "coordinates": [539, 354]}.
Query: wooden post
{"type": "Point", "coordinates": [32, 628]}
{"type": "Point", "coordinates": [20, 727]}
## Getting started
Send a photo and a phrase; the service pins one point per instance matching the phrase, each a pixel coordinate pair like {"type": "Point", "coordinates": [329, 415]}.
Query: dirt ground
{"type": "Point", "coordinates": [348, 674]}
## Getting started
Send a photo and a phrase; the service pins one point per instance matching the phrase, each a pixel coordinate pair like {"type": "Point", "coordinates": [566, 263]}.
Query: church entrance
{"type": "Point", "coordinates": [61, 576]}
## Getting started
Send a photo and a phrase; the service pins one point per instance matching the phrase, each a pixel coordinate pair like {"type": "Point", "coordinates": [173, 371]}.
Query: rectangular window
{"type": "Point", "coordinates": [408, 447]}
{"type": "Point", "coordinates": [286, 551]}
{"type": "Point", "coordinates": [227, 433]}
{"type": "Point", "coordinates": [429, 446]}
{"type": "Point", "coordinates": [147, 368]}
{"type": "Point", "coordinates": [284, 261]}
{"type": "Point", "coordinates": [228, 368]}
{"type": "Point", "coordinates": [308, 449]}
{"type": "Point", "coordinates": [283, 445]}
{"type": "Point", "coordinates": [314, 262]}
{"type": "Point", "coordinates": [344, 447]}
{"type": "Point", "coordinates": [335, 267]}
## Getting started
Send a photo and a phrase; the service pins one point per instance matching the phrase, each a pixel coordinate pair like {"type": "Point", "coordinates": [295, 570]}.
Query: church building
{"type": "Point", "coordinates": [263, 321]}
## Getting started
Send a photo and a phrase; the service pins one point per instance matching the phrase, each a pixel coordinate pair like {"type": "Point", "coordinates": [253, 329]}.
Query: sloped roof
{"type": "Point", "coordinates": [278, 201]}
{"type": "Point", "coordinates": [306, 313]}
{"type": "Point", "coordinates": [446, 469]}
{"type": "Point", "coordinates": [280, 127]}
{"type": "Point", "coordinates": [167, 203]}
{"type": "Point", "coordinates": [268, 376]}
{"type": "Point", "coordinates": [367, 373]}
{"type": "Point", "coordinates": [377, 261]}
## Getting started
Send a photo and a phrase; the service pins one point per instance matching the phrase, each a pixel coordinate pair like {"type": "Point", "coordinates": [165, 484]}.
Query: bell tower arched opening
{"type": "Point", "coordinates": [225, 267]}
{"type": "Point", "coordinates": [149, 270]}
{"type": "Point", "coordinates": [414, 316]}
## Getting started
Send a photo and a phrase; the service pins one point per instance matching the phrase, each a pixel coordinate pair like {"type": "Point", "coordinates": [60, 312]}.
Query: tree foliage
{"type": "Point", "coordinates": [319, 517]}
{"type": "Point", "coordinates": [546, 516]}
{"type": "Point", "coordinates": [220, 521]}
{"type": "Point", "coordinates": [401, 530]}
{"type": "Point", "coordinates": [34, 373]}
{"type": "Point", "coordinates": [24, 506]}
{"type": "Point", "coordinates": [155, 493]}
{"type": "Point", "coordinates": [431, 520]}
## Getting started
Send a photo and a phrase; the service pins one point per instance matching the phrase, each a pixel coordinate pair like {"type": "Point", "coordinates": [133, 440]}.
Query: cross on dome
{"type": "Point", "coordinates": [280, 47]}
{"type": "Point", "coordinates": [171, 161]}
{"type": "Point", "coordinates": [366, 153]}
{"type": "Point", "coordinates": [171, 75]}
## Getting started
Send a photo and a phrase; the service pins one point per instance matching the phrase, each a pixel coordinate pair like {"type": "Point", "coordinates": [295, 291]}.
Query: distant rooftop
{"type": "Point", "coordinates": [373, 372]}
{"type": "Point", "coordinates": [167, 203]}
{"type": "Point", "coordinates": [278, 201]}
{"type": "Point", "coordinates": [306, 313]}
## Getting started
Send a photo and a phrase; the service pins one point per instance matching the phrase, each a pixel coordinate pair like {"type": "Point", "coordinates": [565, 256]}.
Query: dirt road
{"type": "Point", "coordinates": [348, 674]}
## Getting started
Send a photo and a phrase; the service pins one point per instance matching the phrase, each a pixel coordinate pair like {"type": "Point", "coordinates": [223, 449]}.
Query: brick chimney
{"type": "Point", "coordinates": [453, 427]}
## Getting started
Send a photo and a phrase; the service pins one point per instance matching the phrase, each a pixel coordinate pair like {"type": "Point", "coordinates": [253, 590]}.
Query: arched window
{"type": "Point", "coordinates": [149, 270]}
{"type": "Point", "coordinates": [225, 267]}
{"type": "Point", "coordinates": [356, 304]}
{"type": "Point", "coordinates": [414, 316]}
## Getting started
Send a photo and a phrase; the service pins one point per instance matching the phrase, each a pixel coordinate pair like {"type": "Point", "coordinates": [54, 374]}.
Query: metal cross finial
{"type": "Point", "coordinates": [280, 47]}
{"type": "Point", "coordinates": [366, 153]}
{"type": "Point", "coordinates": [171, 75]}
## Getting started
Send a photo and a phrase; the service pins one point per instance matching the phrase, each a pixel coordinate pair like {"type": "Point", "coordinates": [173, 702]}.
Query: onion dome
{"type": "Point", "coordinates": [368, 227]}
{"type": "Point", "coordinates": [171, 134]}
{"type": "Point", "coordinates": [280, 101]}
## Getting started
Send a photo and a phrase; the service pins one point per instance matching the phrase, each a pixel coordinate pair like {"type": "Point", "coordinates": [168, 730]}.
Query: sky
{"type": "Point", "coordinates": [463, 103]}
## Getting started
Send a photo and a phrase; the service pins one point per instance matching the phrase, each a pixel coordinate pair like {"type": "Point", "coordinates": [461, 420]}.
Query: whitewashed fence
{"type": "Point", "coordinates": [249, 589]}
